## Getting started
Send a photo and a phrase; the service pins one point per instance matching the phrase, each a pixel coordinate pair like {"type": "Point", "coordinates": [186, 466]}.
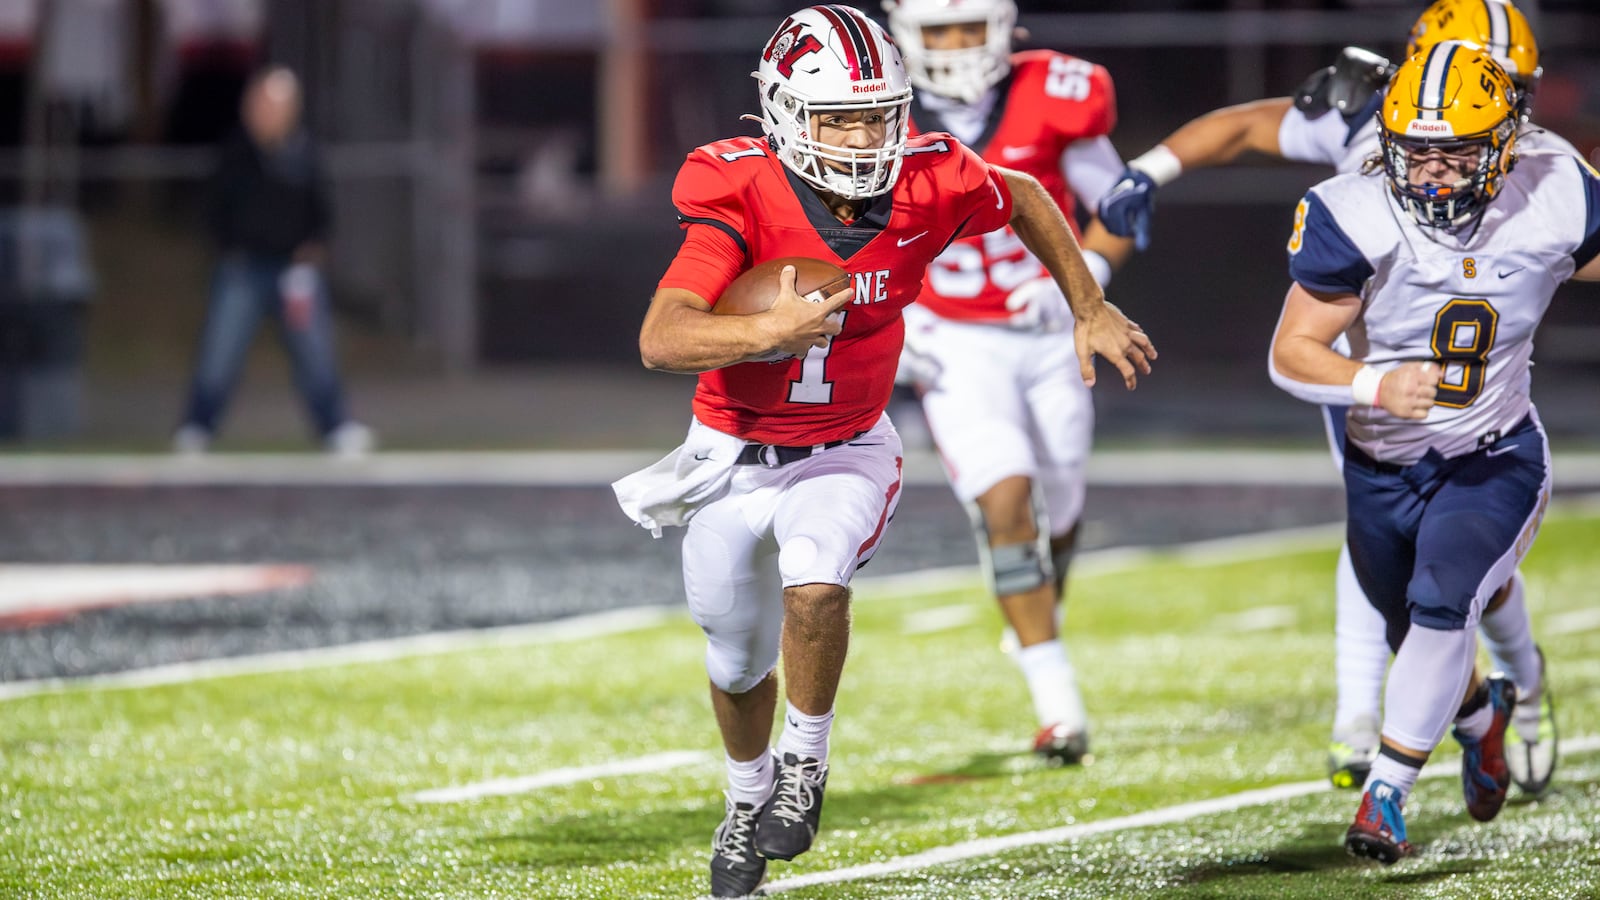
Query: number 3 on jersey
{"type": "Point", "coordinates": [1463, 335]}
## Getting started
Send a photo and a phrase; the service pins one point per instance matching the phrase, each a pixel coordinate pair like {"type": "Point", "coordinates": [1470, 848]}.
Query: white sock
{"type": "Point", "coordinates": [805, 736]}
{"type": "Point", "coordinates": [1508, 635]}
{"type": "Point", "coordinates": [1361, 650]}
{"type": "Point", "coordinates": [750, 782]}
{"type": "Point", "coordinates": [1053, 684]}
{"type": "Point", "coordinates": [1430, 676]}
{"type": "Point", "coordinates": [1396, 774]}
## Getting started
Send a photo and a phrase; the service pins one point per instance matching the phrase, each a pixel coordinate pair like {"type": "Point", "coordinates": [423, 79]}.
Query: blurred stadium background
{"type": "Point", "coordinates": [502, 170]}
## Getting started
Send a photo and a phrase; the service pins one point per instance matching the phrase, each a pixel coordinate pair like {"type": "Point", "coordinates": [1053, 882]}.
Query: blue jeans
{"type": "Point", "coordinates": [244, 289]}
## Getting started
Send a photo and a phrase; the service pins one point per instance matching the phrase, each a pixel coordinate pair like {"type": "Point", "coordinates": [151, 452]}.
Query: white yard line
{"type": "Point", "coordinates": [1575, 622]}
{"type": "Point", "coordinates": [1260, 618]}
{"type": "Point", "coordinates": [502, 787]}
{"type": "Point", "coordinates": [577, 628]}
{"type": "Point", "coordinates": [939, 618]}
{"type": "Point", "coordinates": [992, 846]}
{"type": "Point", "coordinates": [1311, 467]}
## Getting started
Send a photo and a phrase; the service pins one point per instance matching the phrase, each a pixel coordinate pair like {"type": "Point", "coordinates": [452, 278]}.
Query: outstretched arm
{"type": "Point", "coordinates": [1215, 139]}
{"type": "Point", "coordinates": [1221, 136]}
{"type": "Point", "coordinates": [1100, 327]}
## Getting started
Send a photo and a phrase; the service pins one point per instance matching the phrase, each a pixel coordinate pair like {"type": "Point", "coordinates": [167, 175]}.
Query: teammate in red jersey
{"type": "Point", "coordinates": [790, 470]}
{"type": "Point", "coordinates": [1012, 425]}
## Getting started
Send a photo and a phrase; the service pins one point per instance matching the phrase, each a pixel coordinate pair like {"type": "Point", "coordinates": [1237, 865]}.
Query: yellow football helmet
{"type": "Point", "coordinates": [1455, 99]}
{"type": "Point", "coordinates": [1495, 25]}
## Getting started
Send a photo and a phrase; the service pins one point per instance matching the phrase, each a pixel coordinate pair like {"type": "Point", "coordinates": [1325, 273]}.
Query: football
{"type": "Point", "coordinates": [755, 290]}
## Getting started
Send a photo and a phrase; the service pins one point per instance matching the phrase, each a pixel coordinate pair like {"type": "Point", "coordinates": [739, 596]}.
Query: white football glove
{"type": "Point", "coordinates": [1039, 305]}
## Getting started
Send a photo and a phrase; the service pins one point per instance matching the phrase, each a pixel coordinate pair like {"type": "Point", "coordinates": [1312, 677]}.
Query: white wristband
{"type": "Point", "coordinates": [1099, 267]}
{"type": "Point", "coordinates": [1365, 386]}
{"type": "Point", "coordinates": [1160, 163]}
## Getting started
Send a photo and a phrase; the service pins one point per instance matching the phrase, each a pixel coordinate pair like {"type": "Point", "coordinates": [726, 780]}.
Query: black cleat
{"type": "Point", "coordinates": [736, 868]}
{"type": "Point", "coordinates": [789, 821]}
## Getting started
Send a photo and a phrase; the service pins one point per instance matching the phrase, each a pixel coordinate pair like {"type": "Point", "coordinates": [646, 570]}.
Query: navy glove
{"type": "Point", "coordinates": [1125, 209]}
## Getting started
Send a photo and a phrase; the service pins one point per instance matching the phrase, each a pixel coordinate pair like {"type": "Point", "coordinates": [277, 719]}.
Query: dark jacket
{"type": "Point", "coordinates": [269, 203]}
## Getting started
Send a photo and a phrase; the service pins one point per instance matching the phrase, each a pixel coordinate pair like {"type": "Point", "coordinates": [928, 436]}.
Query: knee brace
{"type": "Point", "coordinates": [1016, 568]}
{"type": "Point", "coordinates": [1019, 568]}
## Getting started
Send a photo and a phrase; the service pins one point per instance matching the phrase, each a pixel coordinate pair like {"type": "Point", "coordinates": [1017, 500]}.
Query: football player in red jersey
{"type": "Point", "coordinates": [1012, 425]}
{"type": "Point", "coordinates": [790, 470]}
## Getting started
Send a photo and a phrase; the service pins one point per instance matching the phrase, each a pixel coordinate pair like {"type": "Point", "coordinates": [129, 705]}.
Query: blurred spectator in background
{"type": "Point", "coordinates": [270, 217]}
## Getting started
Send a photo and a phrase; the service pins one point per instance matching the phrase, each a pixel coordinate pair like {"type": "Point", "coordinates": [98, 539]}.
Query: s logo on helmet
{"type": "Point", "coordinates": [789, 45]}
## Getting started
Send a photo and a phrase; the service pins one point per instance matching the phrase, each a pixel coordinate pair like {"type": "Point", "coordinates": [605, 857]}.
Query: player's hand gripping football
{"type": "Point", "coordinates": [1109, 333]}
{"type": "Point", "coordinates": [796, 324]}
{"type": "Point", "coordinates": [1408, 389]}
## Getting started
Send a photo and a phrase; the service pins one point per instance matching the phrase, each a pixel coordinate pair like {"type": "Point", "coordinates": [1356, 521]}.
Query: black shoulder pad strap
{"type": "Point", "coordinates": [1345, 86]}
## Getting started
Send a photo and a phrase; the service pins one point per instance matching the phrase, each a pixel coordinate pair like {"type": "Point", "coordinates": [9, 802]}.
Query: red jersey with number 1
{"type": "Point", "coordinates": [740, 208]}
{"type": "Point", "coordinates": [1050, 101]}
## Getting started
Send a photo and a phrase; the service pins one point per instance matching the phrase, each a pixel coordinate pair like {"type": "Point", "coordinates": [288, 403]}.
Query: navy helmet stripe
{"type": "Point", "coordinates": [845, 19]}
{"type": "Point", "coordinates": [1435, 80]}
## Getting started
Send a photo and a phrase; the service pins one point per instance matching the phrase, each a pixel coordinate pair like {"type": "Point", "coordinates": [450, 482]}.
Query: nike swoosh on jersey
{"type": "Point", "coordinates": [904, 241]}
{"type": "Point", "coordinates": [1510, 272]}
{"type": "Point", "coordinates": [1011, 153]}
{"type": "Point", "coordinates": [1499, 450]}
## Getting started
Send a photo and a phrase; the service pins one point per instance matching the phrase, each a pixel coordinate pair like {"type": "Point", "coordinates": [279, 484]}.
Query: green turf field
{"type": "Point", "coordinates": [299, 785]}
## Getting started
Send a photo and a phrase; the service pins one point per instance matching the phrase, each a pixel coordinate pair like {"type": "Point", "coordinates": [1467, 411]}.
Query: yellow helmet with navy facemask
{"type": "Point", "coordinates": [1496, 25]}
{"type": "Point", "coordinates": [1453, 98]}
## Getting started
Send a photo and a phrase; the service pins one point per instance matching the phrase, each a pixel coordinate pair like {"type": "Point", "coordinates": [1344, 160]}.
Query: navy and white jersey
{"type": "Point", "coordinates": [1470, 301]}
{"type": "Point", "coordinates": [1347, 142]}
{"type": "Point", "coordinates": [1332, 138]}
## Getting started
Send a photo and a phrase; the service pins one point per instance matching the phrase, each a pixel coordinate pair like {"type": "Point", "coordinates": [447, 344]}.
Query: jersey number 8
{"type": "Point", "coordinates": [1463, 335]}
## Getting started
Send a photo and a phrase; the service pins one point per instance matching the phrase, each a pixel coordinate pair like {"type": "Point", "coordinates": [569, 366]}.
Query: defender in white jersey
{"type": "Point", "coordinates": [1438, 271]}
{"type": "Point", "coordinates": [989, 341]}
{"type": "Point", "coordinates": [1331, 121]}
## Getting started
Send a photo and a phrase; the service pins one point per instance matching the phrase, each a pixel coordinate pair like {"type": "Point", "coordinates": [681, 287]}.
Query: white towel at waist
{"type": "Point", "coordinates": [675, 487]}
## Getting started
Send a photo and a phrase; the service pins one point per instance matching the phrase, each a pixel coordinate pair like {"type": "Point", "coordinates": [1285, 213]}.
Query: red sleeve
{"type": "Point", "coordinates": [985, 195]}
{"type": "Point", "coordinates": [712, 215]}
{"type": "Point", "coordinates": [1100, 107]}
